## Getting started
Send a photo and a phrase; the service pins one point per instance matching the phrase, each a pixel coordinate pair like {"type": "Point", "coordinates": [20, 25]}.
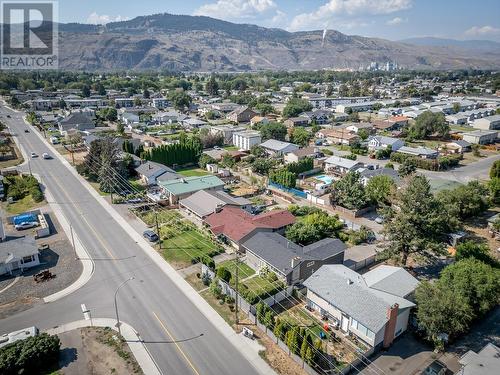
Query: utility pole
{"type": "Point", "coordinates": [157, 227]}
{"type": "Point", "coordinates": [116, 305]}
{"type": "Point", "coordinates": [236, 296]}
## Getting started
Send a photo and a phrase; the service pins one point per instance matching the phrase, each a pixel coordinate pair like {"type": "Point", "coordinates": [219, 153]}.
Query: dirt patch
{"type": "Point", "coordinates": [277, 358]}
{"type": "Point", "coordinates": [96, 351]}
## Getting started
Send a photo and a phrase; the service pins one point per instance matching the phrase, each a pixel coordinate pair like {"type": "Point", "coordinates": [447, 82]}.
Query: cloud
{"type": "Point", "coordinates": [102, 19]}
{"type": "Point", "coordinates": [482, 31]}
{"type": "Point", "coordinates": [334, 9]}
{"type": "Point", "coordinates": [237, 9]}
{"type": "Point", "coordinates": [396, 21]}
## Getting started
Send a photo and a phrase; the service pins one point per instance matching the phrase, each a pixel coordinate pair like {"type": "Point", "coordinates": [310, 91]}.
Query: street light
{"type": "Point", "coordinates": [116, 306]}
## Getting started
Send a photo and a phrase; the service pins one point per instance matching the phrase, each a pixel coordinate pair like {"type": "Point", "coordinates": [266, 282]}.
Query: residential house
{"type": "Point", "coordinates": [324, 103]}
{"type": "Point", "coordinates": [302, 153]}
{"type": "Point", "coordinates": [357, 126]}
{"type": "Point", "coordinates": [292, 263]}
{"type": "Point", "coordinates": [374, 307]}
{"type": "Point", "coordinates": [487, 123]}
{"type": "Point", "coordinates": [242, 114]}
{"type": "Point", "coordinates": [338, 136]}
{"type": "Point", "coordinates": [259, 120]}
{"type": "Point", "coordinates": [318, 116]}
{"type": "Point", "coordinates": [169, 117]}
{"type": "Point", "coordinates": [390, 124]}
{"type": "Point", "coordinates": [129, 118]}
{"type": "Point", "coordinates": [455, 147]}
{"type": "Point", "coordinates": [150, 171]}
{"type": "Point", "coordinates": [367, 174]}
{"type": "Point", "coordinates": [18, 254]}
{"type": "Point", "coordinates": [354, 107]}
{"type": "Point", "coordinates": [75, 121]}
{"type": "Point", "coordinates": [204, 203]}
{"type": "Point", "coordinates": [278, 148]}
{"type": "Point", "coordinates": [175, 190]}
{"type": "Point", "coordinates": [226, 131]}
{"type": "Point", "coordinates": [341, 166]}
{"type": "Point", "coordinates": [481, 137]}
{"type": "Point", "coordinates": [485, 362]}
{"type": "Point", "coordinates": [237, 225]}
{"type": "Point", "coordinates": [421, 152]}
{"type": "Point", "coordinates": [247, 139]}
{"type": "Point", "coordinates": [381, 142]}
{"type": "Point", "coordinates": [193, 123]}
{"type": "Point", "coordinates": [292, 122]}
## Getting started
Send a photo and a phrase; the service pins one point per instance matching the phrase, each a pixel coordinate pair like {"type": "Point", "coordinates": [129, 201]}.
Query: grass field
{"type": "Point", "coordinates": [230, 148]}
{"type": "Point", "coordinates": [438, 184]}
{"type": "Point", "coordinates": [261, 286]}
{"type": "Point", "coordinates": [298, 316]}
{"type": "Point", "coordinates": [244, 270]}
{"type": "Point", "coordinates": [183, 247]}
{"type": "Point", "coordinates": [189, 172]}
{"type": "Point", "coordinates": [23, 205]}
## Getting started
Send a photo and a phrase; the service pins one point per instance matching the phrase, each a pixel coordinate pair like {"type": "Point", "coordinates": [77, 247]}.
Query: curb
{"type": "Point", "coordinates": [203, 306]}
{"type": "Point", "coordinates": [134, 341]}
{"type": "Point", "coordinates": [81, 252]}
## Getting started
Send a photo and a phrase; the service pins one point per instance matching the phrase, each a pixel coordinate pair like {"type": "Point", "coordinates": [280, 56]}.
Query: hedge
{"type": "Point", "coordinates": [441, 163]}
{"type": "Point", "coordinates": [30, 356]}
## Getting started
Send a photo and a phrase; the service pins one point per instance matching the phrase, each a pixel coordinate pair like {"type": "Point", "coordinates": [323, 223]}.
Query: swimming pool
{"type": "Point", "coordinates": [324, 178]}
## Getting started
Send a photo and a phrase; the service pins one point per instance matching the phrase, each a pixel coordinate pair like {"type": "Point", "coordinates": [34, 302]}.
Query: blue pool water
{"type": "Point", "coordinates": [323, 178]}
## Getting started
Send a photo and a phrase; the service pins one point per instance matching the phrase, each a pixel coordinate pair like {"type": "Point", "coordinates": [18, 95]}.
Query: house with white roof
{"type": "Point", "coordinates": [381, 142]}
{"type": "Point", "coordinates": [421, 152]}
{"type": "Point", "coordinates": [341, 166]}
{"type": "Point", "coordinates": [374, 307]}
{"type": "Point", "coordinates": [278, 148]}
{"type": "Point", "coordinates": [487, 123]}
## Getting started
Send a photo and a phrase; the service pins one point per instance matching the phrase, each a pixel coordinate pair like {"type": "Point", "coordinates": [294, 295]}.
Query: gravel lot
{"type": "Point", "coordinates": [59, 258]}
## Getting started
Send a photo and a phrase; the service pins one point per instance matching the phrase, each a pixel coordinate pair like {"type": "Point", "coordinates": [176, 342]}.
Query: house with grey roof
{"type": "Point", "coordinates": [150, 172]}
{"type": "Point", "coordinates": [341, 166]}
{"type": "Point", "coordinates": [485, 362]}
{"type": "Point", "coordinates": [18, 254]}
{"type": "Point", "coordinates": [76, 121]}
{"type": "Point", "coordinates": [374, 307]}
{"type": "Point", "coordinates": [291, 262]}
{"type": "Point", "coordinates": [481, 137]}
{"type": "Point", "coordinates": [421, 152]}
{"type": "Point", "coordinates": [381, 142]}
{"type": "Point", "coordinates": [367, 174]}
{"type": "Point", "coordinates": [204, 203]}
{"type": "Point", "coordinates": [278, 148]}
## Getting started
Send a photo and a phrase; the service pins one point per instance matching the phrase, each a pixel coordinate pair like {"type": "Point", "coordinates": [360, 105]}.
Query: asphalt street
{"type": "Point", "coordinates": [178, 335]}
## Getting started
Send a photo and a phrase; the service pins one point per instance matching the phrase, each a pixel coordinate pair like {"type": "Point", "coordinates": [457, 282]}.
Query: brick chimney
{"type": "Point", "coordinates": [390, 327]}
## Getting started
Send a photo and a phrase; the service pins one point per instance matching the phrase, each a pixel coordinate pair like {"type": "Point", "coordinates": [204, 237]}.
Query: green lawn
{"type": "Point", "coordinates": [438, 184]}
{"type": "Point", "coordinates": [462, 128]}
{"type": "Point", "coordinates": [244, 270]}
{"type": "Point", "coordinates": [164, 216]}
{"type": "Point", "coordinates": [136, 185]}
{"type": "Point", "coordinates": [189, 172]}
{"type": "Point", "coordinates": [23, 205]}
{"type": "Point", "coordinates": [95, 185]}
{"type": "Point", "coordinates": [187, 245]}
{"type": "Point", "coordinates": [298, 316]}
{"type": "Point", "coordinates": [260, 286]}
{"type": "Point", "coordinates": [230, 148]}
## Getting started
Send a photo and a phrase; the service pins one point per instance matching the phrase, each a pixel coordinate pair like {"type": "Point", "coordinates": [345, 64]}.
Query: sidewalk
{"type": "Point", "coordinates": [130, 335]}
{"type": "Point", "coordinates": [218, 322]}
{"type": "Point", "coordinates": [81, 252]}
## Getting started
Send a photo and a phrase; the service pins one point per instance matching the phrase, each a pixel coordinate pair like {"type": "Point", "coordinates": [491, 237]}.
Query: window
{"type": "Point", "coordinates": [28, 259]}
{"type": "Point", "coordinates": [354, 323]}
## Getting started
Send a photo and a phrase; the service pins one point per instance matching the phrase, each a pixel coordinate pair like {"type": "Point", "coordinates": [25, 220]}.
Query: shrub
{"type": "Point", "coordinates": [30, 356]}
{"type": "Point", "coordinates": [223, 274]}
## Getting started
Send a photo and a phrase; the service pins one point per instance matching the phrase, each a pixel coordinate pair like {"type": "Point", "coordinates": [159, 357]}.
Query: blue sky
{"type": "Point", "coordinates": [391, 19]}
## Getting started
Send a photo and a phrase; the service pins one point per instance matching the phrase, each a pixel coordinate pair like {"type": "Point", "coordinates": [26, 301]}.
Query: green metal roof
{"type": "Point", "coordinates": [191, 184]}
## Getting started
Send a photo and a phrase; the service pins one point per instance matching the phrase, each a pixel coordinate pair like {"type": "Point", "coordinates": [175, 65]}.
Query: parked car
{"type": "Point", "coordinates": [435, 368]}
{"type": "Point", "coordinates": [150, 235]}
{"type": "Point", "coordinates": [26, 130]}
{"type": "Point", "coordinates": [26, 225]}
{"type": "Point", "coordinates": [34, 155]}
{"type": "Point", "coordinates": [46, 156]}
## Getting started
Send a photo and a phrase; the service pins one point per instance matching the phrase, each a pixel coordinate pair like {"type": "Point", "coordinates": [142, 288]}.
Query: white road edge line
{"type": "Point", "coordinates": [203, 306]}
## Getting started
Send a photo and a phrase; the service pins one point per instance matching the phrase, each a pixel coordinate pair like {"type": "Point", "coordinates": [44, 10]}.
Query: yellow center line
{"type": "Point", "coordinates": [98, 237]}
{"type": "Point", "coordinates": [177, 345]}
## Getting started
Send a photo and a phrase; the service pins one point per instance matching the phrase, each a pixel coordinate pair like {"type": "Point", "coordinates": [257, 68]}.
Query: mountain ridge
{"type": "Point", "coordinates": [199, 43]}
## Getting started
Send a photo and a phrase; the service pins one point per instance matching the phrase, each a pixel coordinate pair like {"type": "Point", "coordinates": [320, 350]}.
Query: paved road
{"type": "Point", "coordinates": [151, 303]}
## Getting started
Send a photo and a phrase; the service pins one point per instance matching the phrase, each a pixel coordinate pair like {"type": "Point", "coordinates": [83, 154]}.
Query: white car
{"type": "Point", "coordinates": [26, 225]}
{"type": "Point", "coordinates": [34, 155]}
{"type": "Point", "coordinates": [46, 156]}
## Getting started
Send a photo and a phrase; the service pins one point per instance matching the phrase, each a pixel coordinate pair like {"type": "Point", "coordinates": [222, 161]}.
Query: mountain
{"type": "Point", "coordinates": [189, 43]}
{"type": "Point", "coordinates": [441, 42]}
